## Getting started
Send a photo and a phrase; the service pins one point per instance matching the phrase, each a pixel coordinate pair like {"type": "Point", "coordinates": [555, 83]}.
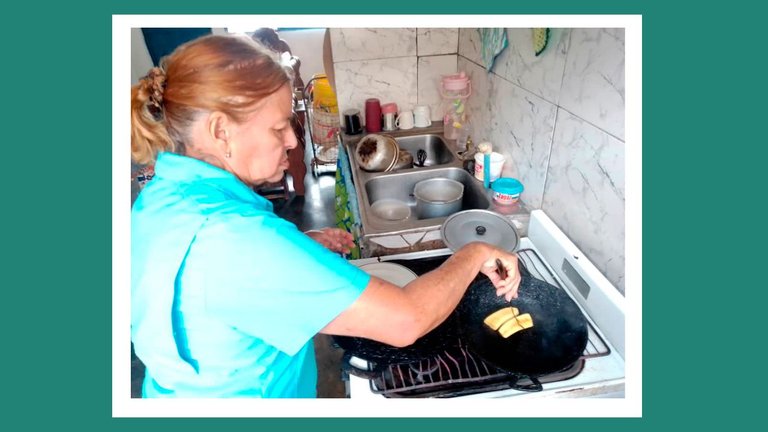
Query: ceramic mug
{"type": "Point", "coordinates": [405, 120]}
{"type": "Point", "coordinates": [421, 116]}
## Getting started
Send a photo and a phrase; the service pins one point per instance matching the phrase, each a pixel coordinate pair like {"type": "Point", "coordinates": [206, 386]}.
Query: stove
{"type": "Point", "coordinates": [546, 254]}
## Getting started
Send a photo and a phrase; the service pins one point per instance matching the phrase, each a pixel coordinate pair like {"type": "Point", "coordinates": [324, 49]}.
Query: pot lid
{"type": "Point", "coordinates": [507, 185]}
{"type": "Point", "coordinates": [479, 225]}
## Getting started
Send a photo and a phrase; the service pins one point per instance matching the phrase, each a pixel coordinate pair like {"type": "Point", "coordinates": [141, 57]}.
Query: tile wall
{"type": "Point", "coordinates": [558, 117]}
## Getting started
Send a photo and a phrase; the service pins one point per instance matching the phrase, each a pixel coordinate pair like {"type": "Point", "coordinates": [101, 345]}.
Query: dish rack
{"type": "Point", "coordinates": [323, 124]}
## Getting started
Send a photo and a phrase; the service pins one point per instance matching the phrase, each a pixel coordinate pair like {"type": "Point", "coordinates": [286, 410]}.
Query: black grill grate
{"type": "Point", "coordinates": [457, 371]}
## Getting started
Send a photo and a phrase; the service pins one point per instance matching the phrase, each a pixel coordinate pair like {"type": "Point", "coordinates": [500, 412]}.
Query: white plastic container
{"type": "Point", "coordinates": [497, 163]}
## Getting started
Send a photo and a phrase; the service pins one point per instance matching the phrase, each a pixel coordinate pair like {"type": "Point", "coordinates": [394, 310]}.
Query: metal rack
{"type": "Point", "coordinates": [323, 133]}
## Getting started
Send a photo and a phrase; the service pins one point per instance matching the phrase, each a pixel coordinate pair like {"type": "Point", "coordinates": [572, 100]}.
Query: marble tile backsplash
{"type": "Point", "coordinates": [559, 120]}
{"type": "Point", "coordinates": [558, 117]}
{"type": "Point", "coordinates": [372, 43]}
{"type": "Point", "coordinates": [435, 41]}
{"type": "Point", "coordinates": [518, 123]}
{"type": "Point", "coordinates": [593, 82]}
{"type": "Point", "coordinates": [584, 193]}
{"type": "Point", "coordinates": [389, 80]}
{"type": "Point", "coordinates": [540, 75]}
{"type": "Point", "coordinates": [394, 65]}
{"type": "Point", "coordinates": [431, 68]}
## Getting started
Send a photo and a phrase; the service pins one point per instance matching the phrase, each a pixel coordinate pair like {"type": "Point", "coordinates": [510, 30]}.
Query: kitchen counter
{"type": "Point", "coordinates": [427, 238]}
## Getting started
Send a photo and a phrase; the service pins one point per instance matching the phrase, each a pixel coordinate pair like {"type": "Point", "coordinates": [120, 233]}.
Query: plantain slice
{"type": "Point", "coordinates": [496, 319]}
{"type": "Point", "coordinates": [516, 324]}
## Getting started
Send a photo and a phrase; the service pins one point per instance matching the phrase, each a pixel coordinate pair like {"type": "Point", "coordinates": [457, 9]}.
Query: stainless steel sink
{"type": "Point", "coordinates": [442, 161]}
{"type": "Point", "coordinates": [399, 186]}
{"type": "Point", "coordinates": [436, 149]}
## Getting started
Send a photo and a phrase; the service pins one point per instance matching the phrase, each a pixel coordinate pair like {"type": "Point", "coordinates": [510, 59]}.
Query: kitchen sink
{"type": "Point", "coordinates": [394, 189]}
{"type": "Point", "coordinates": [436, 149]}
{"type": "Point", "coordinates": [399, 186]}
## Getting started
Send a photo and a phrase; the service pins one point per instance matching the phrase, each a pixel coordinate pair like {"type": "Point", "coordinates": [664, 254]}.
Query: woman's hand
{"type": "Point", "coordinates": [335, 239]}
{"type": "Point", "coordinates": [507, 286]}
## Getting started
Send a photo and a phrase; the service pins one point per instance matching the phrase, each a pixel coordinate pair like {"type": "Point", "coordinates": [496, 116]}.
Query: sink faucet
{"type": "Point", "coordinates": [469, 149]}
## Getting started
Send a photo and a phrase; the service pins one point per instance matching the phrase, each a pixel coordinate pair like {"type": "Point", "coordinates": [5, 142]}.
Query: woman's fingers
{"type": "Point", "coordinates": [508, 286]}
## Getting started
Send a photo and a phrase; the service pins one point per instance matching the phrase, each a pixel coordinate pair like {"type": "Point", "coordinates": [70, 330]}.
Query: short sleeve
{"type": "Point", "coordinates": [264, 277]}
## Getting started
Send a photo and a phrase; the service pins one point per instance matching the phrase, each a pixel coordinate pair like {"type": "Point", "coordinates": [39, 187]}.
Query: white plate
{"type": "Point", "coordinates": [390, 272]}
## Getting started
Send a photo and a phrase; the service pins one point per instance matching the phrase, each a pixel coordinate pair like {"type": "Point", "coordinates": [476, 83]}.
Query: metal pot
{"type": "Point", "coordinates": [437, 197]}
{"type": "Point", "coordinates": [404, 160]}
{"type": "Point", "coordinates": [376, 152]}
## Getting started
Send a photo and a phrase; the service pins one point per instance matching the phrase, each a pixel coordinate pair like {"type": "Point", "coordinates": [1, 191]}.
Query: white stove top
{"type": "Point", "coordinates": [565, 266]}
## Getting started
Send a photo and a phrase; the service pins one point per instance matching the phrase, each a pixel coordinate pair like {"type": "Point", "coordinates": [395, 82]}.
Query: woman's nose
{"type": "Point", "coordinates": [291, 141]}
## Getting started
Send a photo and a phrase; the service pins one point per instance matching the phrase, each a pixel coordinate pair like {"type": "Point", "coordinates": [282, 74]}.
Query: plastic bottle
{"type": "Point", "coordinates": [455, 90]}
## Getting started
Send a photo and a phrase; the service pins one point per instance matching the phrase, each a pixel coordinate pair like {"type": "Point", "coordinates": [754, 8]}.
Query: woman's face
{"type": "Point", "coordinates": [259, 146]}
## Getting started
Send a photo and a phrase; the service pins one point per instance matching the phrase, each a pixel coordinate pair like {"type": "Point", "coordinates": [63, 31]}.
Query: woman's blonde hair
{"type": "Point", "coordinates": [213, 73]}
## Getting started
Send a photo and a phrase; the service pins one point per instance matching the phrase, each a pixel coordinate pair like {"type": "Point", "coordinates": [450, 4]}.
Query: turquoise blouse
{"type": "Point", "coordinates": [225, 295]}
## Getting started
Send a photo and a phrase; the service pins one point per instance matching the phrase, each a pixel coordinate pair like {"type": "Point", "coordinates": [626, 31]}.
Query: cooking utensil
{"type": "Point", "coordinates": [428, 346]}
{"type": "Point", "coordinates": [421, 157]}
{"type": "Point", "coordinates": [438, 197]}
{"type": "Point", "coordinates": [376, 152]}
{"type": "Point", "coordinates": [500, 269]}
{"type": "Point", "coordinates": [479, 225]}
{"type": "Point", "coordinates": [404, 160]}
{"type": "Point", "coordinates": [559, 333]}
{"type": "Point", "coordinates": [391, 209]}
{"type": "Point", "coordinates": [556, 340]}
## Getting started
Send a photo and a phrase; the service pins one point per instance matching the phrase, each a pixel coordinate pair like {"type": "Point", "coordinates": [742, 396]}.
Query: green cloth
{"type": "Point", "coordinates": [347, 210]}
{"type": "Point", "coordinates": [492, 41]}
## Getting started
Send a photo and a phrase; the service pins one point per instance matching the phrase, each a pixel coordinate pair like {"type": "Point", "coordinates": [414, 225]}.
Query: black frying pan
{"type": "Point", "coordinates": [428, 346]}
{"type": "Point", "coordinates": [556, 340]}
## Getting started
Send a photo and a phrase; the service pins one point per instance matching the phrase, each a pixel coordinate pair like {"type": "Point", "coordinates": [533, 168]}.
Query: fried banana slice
{"type": "Point", "coordinates": [496, 319]}
{"type": "Point", "coordinates": [516, 324]}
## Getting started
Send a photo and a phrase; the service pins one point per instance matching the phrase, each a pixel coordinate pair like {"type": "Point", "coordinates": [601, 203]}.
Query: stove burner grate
{"type": "Point", "coordinates": [456, 373]}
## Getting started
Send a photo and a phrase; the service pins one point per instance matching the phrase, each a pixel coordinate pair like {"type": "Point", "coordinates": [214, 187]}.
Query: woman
{"type": "Point", "coordinates": [226, 296]}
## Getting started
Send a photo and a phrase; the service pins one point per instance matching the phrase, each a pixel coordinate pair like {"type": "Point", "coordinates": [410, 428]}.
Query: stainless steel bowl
{"type": "Point", "coordinates": [376, 152]}
{"type": "Point", "coordinates": [404, 160]}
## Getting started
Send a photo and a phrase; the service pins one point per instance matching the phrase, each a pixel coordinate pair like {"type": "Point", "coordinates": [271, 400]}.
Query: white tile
{"type": "Point", "coordinates": [469, 44]}
{"type": "Point", "coordinates": [478, 106]}
{"type": "Point", "coordinates": [351, 44]}
{"type": "Point", "coordinates": [389, 80]}
{"type": "Point", "coordinates": [518, 123]}
{"type": "Point", "coordinates": [431, 69]}
{"type": "Point", "coordinates": [433, 41]}
{"type": "Point", "coordinates": [540, 75]}
{"type": "Point", "coordinates": [593, 80]}
{"type": "Point", "coordinates": [585, 192]}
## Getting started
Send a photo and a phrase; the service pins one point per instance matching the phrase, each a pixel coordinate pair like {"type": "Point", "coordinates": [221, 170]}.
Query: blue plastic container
{"type": "Point", "coordinates": [506, 190]}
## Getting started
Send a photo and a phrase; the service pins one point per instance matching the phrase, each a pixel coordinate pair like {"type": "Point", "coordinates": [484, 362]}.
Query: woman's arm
{"type": "Point", "coordinates": [398, 316]}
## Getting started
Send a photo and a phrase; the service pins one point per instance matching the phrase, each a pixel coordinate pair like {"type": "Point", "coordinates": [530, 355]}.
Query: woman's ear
{"type": "Point", "coordinates": [218, 129]}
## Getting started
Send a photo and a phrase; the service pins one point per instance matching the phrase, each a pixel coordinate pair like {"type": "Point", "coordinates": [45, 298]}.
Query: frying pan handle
{"type": "Point", "coordinates": [349, 368]}
{"type": "Point", "coordinates": [534, 386]}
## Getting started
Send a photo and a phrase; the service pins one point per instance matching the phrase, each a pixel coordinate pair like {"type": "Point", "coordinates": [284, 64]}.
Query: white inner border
{"type": "Point", "coordinates": [124, 406]}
